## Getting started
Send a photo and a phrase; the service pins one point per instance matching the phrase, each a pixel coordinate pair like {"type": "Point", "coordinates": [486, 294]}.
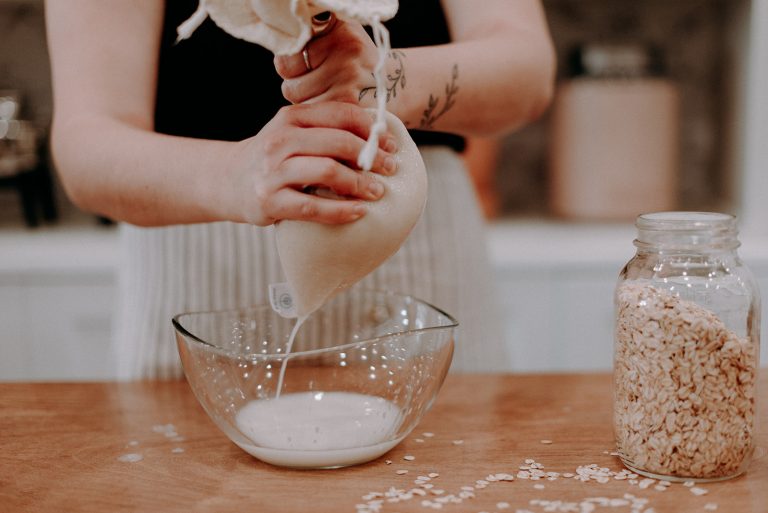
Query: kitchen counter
{"type": "Point", "coordinates": [70, 447]}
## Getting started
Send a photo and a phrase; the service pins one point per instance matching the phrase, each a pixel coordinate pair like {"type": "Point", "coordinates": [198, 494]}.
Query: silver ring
{"type": "Point", "coordinates": [305, 54]}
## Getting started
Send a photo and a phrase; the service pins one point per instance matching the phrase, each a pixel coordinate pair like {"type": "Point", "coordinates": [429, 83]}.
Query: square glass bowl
{"type": "Point", "coordinates": [361, 373]}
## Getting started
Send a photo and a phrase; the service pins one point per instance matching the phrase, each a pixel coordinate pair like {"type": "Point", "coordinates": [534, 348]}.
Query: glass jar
{"type": "Point", "coordinates": [687, 339]}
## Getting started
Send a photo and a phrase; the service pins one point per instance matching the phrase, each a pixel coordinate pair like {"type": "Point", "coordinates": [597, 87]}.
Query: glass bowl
{"type": "Point", "coordinates": [362, 372]}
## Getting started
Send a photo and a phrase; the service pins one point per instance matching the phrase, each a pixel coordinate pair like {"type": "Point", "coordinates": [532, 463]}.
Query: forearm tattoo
{"type": "Point", "coordinates": [432, 113]}
{"type": "Point", "coordinates": [394, 80]}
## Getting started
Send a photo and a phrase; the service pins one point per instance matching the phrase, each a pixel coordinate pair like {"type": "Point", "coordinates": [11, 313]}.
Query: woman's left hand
{"type": "Point", "coordinates": [339, 65]}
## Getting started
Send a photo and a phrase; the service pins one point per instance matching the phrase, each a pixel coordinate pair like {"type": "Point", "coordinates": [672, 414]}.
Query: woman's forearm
{"type": "Point", "coordinates": [124, 171]}
{"type": "Point", "coordinates": [138, 176]}
{"type": "Point", "coordinates": [471, 87]}
{"type": "Point", "coordinates": [495, 76]}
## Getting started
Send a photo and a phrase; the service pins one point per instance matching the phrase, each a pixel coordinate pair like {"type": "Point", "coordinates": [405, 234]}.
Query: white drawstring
{"type": "Point", "coordinates": [381, 38]}
{"type": "Point", "coordinates": [186, 29]}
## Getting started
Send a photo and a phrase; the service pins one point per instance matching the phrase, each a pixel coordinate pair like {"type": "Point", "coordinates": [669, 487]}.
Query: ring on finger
{"type": "Point", "coordinates": [305, 55]}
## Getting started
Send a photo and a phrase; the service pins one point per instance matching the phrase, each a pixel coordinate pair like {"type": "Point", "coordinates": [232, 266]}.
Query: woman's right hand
{"type": "Point", "coordinates": [311, 145]}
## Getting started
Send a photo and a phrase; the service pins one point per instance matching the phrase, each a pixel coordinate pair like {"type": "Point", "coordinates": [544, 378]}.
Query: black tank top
{"type": "Point", "coordinates": [215, 86]}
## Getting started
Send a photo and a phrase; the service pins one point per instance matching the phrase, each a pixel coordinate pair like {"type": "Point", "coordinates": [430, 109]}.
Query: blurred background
{"type": "Point", "coordinates": [659, 106]}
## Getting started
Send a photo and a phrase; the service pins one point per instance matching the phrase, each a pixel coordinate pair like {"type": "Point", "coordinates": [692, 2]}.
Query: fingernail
{"type": "Point", "coordinates": [375, 190]}
{"type": "Point", "coordinates": [390, 146]}
{"type": "Point", "coordinates": [358, 211]}
{"type": "Point", "coordinates": [390, 165]}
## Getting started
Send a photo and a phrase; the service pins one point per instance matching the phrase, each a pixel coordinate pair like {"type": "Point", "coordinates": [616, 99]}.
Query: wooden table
{"type": "Point", "coordinates": [60, 446]}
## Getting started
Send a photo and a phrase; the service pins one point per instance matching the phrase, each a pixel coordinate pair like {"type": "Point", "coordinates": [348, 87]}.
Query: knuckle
{"type": "Point", "coordinates": [348, 95]}
{"type": "Point", "coordinates": [308, 209]}
{"type": "Point", "coordinates": [350, 146]}
{"type": "Point", "coordinates": [328, 172]}
{"type": "Point", "coordinates": [273, 143]}
{"type": "Point", "coordinates": [348, 113]}
{"type": "Point", "coordinates": [354, 46]}
{"type": "Point", "coordinates": [286, 114]}
{"type": "Point", "coordinates": [262, 196]}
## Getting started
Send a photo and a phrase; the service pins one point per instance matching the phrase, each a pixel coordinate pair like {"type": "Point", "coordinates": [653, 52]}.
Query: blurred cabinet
{"type": "Point", "coordinates": [57, 294]}
{"type": "Point", "coordinates": [557, 320]}
{"type": "Point", "coordinates": [56, 327]}
{"type": "Point", "coordinates": [562, 320]}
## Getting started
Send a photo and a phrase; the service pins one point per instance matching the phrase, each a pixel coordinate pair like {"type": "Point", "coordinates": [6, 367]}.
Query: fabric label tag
{"type": "Point", "coordinates": [281, 299]}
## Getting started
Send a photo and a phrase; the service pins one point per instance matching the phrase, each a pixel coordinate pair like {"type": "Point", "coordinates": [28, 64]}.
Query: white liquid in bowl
{"type": "Point", "coordinates": [319, 429]}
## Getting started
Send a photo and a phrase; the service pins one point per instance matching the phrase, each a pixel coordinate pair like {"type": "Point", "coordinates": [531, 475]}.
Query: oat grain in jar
{"type": "Point", "coordinates": [686, 350]}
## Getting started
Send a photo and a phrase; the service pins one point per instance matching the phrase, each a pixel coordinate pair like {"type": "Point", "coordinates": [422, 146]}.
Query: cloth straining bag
{"type": "Point", "coordinates": [282, 26]}
{"type": "Point", "coordinates": [321, 261]}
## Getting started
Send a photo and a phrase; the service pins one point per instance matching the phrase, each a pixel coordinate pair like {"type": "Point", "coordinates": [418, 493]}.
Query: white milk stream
{"type": "Point", "coordinates": [288, 348]}
{"type": "Point", "coordinates": [319, 429]}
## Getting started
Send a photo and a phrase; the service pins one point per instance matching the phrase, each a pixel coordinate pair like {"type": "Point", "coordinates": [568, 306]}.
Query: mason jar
{"type": "Point", "coordinates": [687, 339]}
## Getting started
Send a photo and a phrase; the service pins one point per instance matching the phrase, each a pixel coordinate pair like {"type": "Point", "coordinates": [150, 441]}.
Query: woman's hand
{"type": "Point", "coordinates": [342, 62]}
{"type": "Point", "coordinates": [313, 145]}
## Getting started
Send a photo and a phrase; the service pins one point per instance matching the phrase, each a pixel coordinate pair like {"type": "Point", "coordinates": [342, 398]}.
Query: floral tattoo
{"type": "Point", "coordinates": [431, 113]}
{"type": "Point", "coordinates": [394, 80]}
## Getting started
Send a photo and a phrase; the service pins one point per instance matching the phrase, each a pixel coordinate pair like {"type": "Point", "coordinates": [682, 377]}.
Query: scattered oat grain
{"type": "Point", "coordinates": [130, 457]}
{"type": "Point", "coordinates": [645, 483]}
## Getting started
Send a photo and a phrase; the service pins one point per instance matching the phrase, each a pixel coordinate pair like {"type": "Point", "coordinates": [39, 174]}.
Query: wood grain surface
{"type": "Point", "coordinates": [60, 446]}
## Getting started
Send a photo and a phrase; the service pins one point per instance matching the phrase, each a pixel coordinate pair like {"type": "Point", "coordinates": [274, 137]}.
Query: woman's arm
{"type": "Point", "coordinates": [104, 57]}
{"type": "Point", "coordinates": [495, 76]}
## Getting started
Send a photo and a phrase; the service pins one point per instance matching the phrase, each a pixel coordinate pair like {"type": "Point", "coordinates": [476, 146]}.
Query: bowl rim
{"type": "Point", "coordinates": [452, 323]}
